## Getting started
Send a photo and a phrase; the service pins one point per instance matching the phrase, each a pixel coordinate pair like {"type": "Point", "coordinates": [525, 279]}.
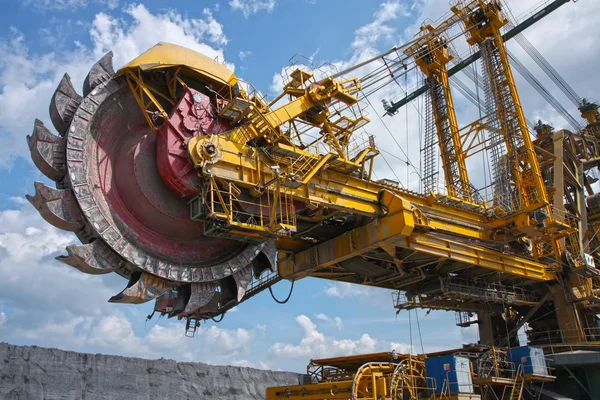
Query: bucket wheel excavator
{"type": "Point", "coordinates": [187, 181]}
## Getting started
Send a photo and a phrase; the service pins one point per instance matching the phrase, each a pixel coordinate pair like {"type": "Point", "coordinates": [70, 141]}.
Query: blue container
{"type": "Point", "coordinates": [530, 358]}
{"type": "Point", "coordinates": [449, 371]}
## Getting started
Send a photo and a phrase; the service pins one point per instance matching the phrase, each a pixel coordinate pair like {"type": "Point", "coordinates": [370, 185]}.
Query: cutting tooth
{"type": "Point", "coordinates": [183, 296]}
{"type": "Point", "coordinates": [142, 287]}
{"type": "Point", "coordinates": [58, 207]}
{"type": "Point", "coordinates": [101, 72]}
{"type": "Point", "coordinates": [265, 260]}
{"type": "Point", "coordinates": [242, 280]}
{"type": "Point", "coordinates": [93, 258]}
{"type": "Point", "coordinates": [47, 151]}
{"type": "Point", "coordinates": [63, 105]}
{"type": "Point", "coordinates": [201, 293]}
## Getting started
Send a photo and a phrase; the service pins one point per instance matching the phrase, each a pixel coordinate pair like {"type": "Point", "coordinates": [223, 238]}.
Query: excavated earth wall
{"type": "Point", "coordinates": [31, 372]}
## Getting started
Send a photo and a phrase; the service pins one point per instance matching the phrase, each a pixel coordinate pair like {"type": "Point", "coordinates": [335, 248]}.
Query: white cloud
{"type": "Point", "coordinates": [2, 318]}
{"type": "Point", "coordinates": [46, 298]}
{"type": "Point", "coordinates": [227, 341]}
{"type": "Point", "coordinates": [28, 80]}
{"type": "Point", "coordinates": [249, 7]}
{"type": "Point", "coordinates": [244, 54]}
{"type": "Point", "coordinates": [263, 365]}
{"type": "Point", "coordinates": [314, 344]}
{"type": "Point", "coordinates": [368, 35]}
{"type": "Point", "coordinates": [71, 5]}
{"type": "Point", "coordinates": [250, 364]}
{"type": "Point", "coordinates": [337, 321]}
{"type": "Point", "coordinates": [115, 333]}
{"type": "Point", "coordinates": [344, 290]}
{"type": "Point", "coordinates": [322, 317]}
{"type": "Point", "coordinates": [243, 363]}
{"type": "Point", "coordinates": [128, 40]}
{"type": "Point", "coordinates": [402, 348]}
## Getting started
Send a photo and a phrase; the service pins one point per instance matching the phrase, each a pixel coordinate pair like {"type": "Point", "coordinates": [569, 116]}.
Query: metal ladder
{"type": "Point", "coordinates": [442, 126]}
{"type": "Point", "coordinates": [429, 150]}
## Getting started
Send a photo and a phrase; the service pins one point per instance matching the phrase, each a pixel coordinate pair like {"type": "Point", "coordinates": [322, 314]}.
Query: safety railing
{"type": "Point", "coordinates": [452, 385]}
{"type": "Point", "coordinates": [264, 212]}
{"type": "Point", "coordinates": [479, 202]}
{"type": "Point", "coordinates": [565, 337]}
{"type": "Point", "coordinates": [494, 364]}
{"type": "Point", "coordinates": [244, 90]}
{"type": "Point", "coordinates": [490, 292]}
{"type": "Point", "coordinates": [323, 373]}
{"type": "Point", "coordinates": [465, 318]}
{"type": "Point", "coordinates": [359, 143]}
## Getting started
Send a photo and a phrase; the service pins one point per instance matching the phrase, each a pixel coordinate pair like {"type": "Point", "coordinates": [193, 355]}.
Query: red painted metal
{"type": "Point", "coordinates": [192, 116]}
{"type": "Point", "coordinates": [143, 207]}
{"type": "Point", "coordinates": [165, 302]}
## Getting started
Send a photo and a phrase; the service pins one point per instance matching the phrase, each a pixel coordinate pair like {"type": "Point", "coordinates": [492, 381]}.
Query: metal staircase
{"type": "Point", "coordinates": [253, 122]}
{"type": "Point", "coordinates": [302, 169]}
{"type": "Point", "coordinates": [516, 392]}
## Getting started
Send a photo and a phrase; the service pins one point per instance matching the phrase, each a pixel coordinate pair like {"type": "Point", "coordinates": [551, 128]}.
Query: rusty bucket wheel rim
{"type": "Point", "coordinates": [80, 138]}
{"type": "Point", "coordinates": [72, 205]}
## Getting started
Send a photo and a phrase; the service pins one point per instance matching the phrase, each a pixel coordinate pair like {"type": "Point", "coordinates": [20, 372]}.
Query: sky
{"type": "Point", "coordinates": [46, 303]}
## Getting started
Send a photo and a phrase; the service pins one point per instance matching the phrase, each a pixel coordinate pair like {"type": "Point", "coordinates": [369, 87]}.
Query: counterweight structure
{"type": "Point", "coordinates": [184, 179]}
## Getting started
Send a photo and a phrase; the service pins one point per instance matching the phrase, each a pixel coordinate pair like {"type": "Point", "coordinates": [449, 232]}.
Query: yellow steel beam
{"type": "Point", "coordinates": [397, 228]}
{"type": "Point", "coordinates": [527, 149]}
{"type": "Point", "coordinates": [477, 256]}
{"type": "Point", "coordinates": [398, 223]}
{"type": "Point", "coordinates": [432, 56]}
{"type": "Point", "coordinates": [525, 168]}
{"type": "Point", "coordinates": [333, 189]}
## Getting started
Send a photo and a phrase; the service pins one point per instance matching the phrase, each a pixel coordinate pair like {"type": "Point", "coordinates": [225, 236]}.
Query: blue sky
{"type": "Point", "coordinates": [43, 302]}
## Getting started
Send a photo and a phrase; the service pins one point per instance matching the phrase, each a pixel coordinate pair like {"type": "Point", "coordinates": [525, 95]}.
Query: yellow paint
{"type": "Point", "coordinates": [166, 55]}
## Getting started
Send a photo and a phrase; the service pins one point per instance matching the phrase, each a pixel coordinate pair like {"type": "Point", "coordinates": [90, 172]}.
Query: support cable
{"type": "Point", "coordinates": [543, 12]}
{"type": "Point", "coordinates": [539, 87]}
{"type": "Point", "coordinates": [543, 63]}
{"type": "Point", "coordinates": [419, 328]}
{"type": "Point", "coordinates": [408, 161]}
{"type": "Point", "coordinates": [406, 133]}
{"type": "Point", "coordinates": [475, 97]}
{"type": "Point", "coordinates": [392, 169]}
{"type": "Point", "coordinates": [410, 330]}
